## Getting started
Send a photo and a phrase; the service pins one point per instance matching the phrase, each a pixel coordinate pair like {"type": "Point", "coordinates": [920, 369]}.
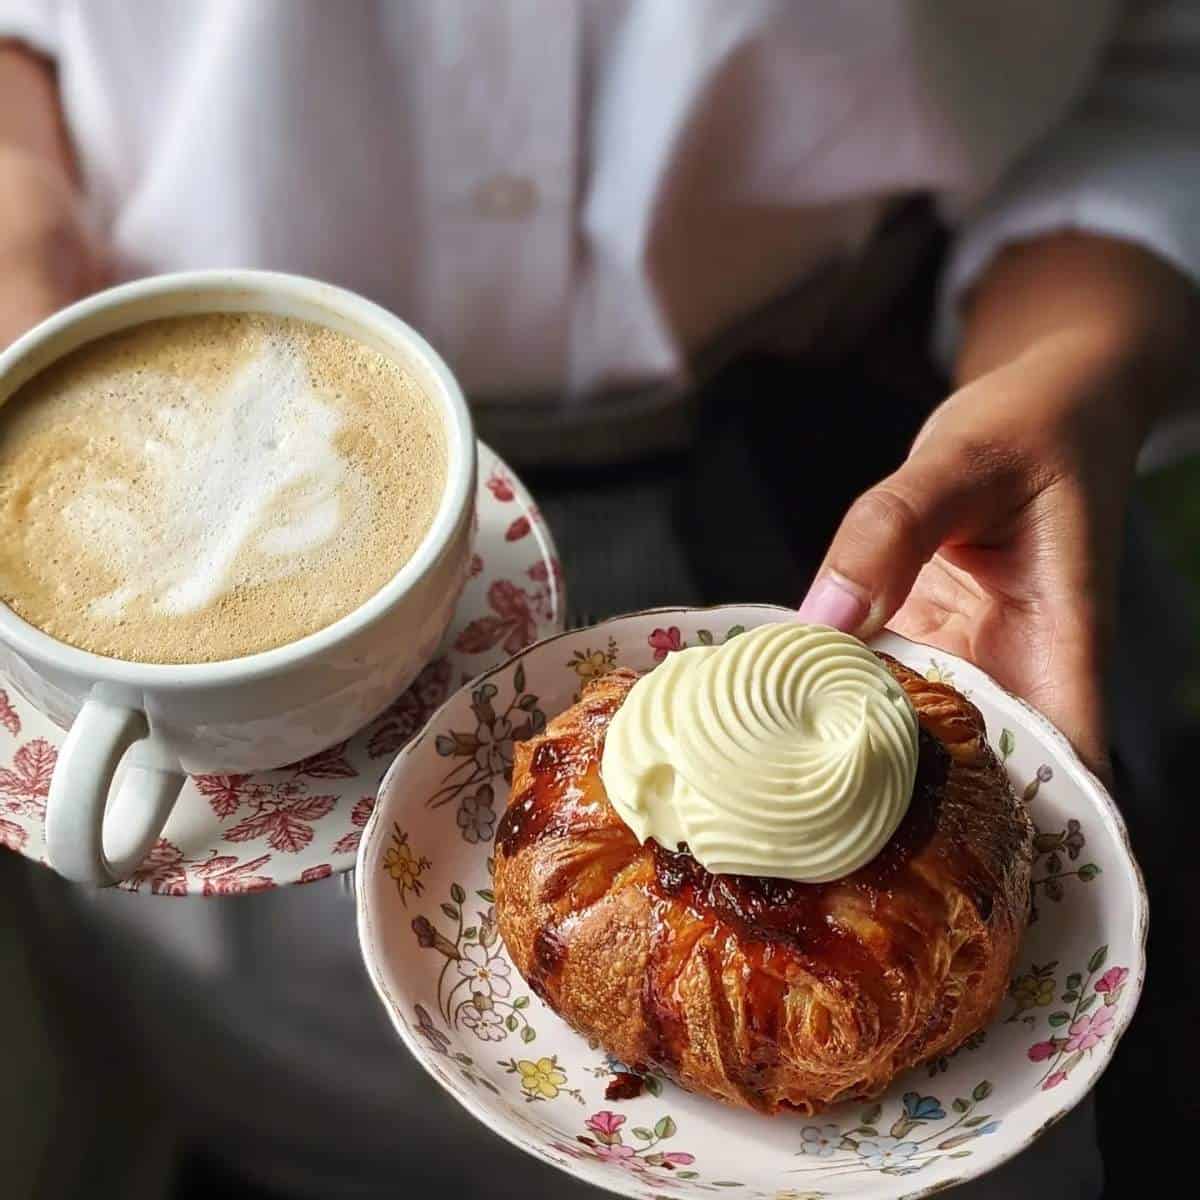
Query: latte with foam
{"type": "Point", "coordinates": [205, 487]}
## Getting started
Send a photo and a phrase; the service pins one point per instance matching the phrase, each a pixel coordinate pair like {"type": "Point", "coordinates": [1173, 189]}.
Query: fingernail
{"type": "Point", "coordinates": [834, 601]}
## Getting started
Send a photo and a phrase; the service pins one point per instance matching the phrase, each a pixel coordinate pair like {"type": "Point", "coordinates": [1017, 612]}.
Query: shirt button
{"type": "Point", "coordinates": [506, 198]}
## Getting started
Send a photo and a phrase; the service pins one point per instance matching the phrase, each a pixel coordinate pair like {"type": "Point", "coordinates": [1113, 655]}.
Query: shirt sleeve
{"type": "Point", "coordinates": [34, 22]}
{"type": "Point", "coordinates": [1125, 162]}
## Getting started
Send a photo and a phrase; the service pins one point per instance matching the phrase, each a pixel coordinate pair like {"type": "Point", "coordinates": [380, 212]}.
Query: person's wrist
{"type": "Point", "coordinates": [1112, 379]}
{"type": "Point", "coordinates": [1103, 311]}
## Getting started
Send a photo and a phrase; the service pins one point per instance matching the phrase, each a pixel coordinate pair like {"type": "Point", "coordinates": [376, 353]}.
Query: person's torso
{"type": "Point", "coordinates": [564, 195]}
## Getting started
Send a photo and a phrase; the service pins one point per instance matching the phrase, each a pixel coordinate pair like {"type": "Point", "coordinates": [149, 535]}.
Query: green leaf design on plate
{"type": "Point", "coordinates": [957, 1140]}
{"type": "Point", "coordinates": [510, 1023]}
{"type": "Point", "coordinates": [643, 1133]}
{"type": "Point", "coordinates": [1058, 1018]}
{"type": "Point", "coordinates": [519, 679]}
{"type": "Point", "coordinates": [976, 1121]}
{"type": "Point", "coordinates": [705, 636]}
{"type": "Point", "coordinates": [653, 1084]}
{"type": "Point", "coordinates": [527, 1034]}
{"type": "Point", "coordinates": [872, 1114]}
{"type": "Point", "coordinates": [521, 1002]}
{"type": "Point", "coordinates": [734, 630]}
{"type": "Point", "coordinates": [961, 1105]}
{"type": "Point", "coordinates": [1007, 742]}
{"type": "Point", "coordinates": [486, 894]}
{"type": "Point", "coordinates": [1088, 872]}
{"type": "Point", "coordinates": [451, 911]}
{"type": "Point", "coordinates": [982, 1090]}
{"type": "Point", "coordinates": [1097, 959]}
{"type": "Point", "coordinates": [664, 1128]}
{"type": "Point", "coordinates": [1088, 1002]}
{"type": "Point", "coordinates": [457, 894]}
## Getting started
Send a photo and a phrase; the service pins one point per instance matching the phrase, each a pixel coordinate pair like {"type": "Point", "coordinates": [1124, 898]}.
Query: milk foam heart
{"type": "Point", "coordinates": [204, 487]}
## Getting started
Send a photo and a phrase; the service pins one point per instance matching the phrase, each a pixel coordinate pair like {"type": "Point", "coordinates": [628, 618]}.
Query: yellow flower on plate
{"type": "Point", "coordinates": [938, 673]}
{"type": "Point", "coordinates": [1032, 992]}
{"type": "Point", "coordinates": [541, 1078]}
{"type": "Point", "coordinates": [403, 865]}
{"type": "Point", "coordinates": [590, 665]}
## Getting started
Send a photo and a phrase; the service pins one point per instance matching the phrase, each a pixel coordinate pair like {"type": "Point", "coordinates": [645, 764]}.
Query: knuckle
{"type": "Point", "coordinates": [1000, 463]}
{"type": "Point", "coordinates": [883, 514]}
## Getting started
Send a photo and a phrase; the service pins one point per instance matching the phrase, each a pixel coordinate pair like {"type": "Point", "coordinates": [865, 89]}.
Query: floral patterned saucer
{"type": "Point", "coordinates": [245, 833]}
{"type": "Point", "coordinates": [427, 929]}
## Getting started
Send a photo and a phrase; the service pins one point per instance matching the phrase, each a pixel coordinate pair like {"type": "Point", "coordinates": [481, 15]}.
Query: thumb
{"type": "Point", "coordinates": [888, 535]}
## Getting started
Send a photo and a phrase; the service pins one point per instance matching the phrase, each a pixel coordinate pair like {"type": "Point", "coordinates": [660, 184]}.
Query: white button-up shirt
{"type": "Point", "coordinates": [570, 197]}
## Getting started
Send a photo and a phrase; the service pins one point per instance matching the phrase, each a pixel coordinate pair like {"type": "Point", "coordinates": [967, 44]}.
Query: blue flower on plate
{"type": "Point", "coordinates": [923, 1108]}
{"type": "Point", "coordinates": [883, 1152]}
{"type": "Point", "coordinates": [820, 1140]}
{"type": "Point", "coordinates": [990, 1127]}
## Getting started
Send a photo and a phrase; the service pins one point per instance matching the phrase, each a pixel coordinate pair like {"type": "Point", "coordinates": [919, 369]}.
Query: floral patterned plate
{"type": "Point", "coordinates": [244, 833]}
{"type": "Point", "coordinates": [427, 929]}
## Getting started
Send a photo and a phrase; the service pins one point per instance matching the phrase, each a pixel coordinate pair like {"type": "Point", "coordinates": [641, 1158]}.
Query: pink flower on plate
{"type": "Point", "coordinates": [1089, 1031]}
{"type": "Point", "coordinates": [511, 622]}
{"type": "Point", "coordinates": [679, 1158]}
{"type": "Point", "coordinates": [615, 1153]}
{"type": "Point", "coordinates": [544, 571]}
{"type": "Point", "coordinates": [163, 868]}
{"type": "Point", "coordinates": [10, 719]}
{"type": "Point", "coordinates": [500, 485]}
{"type": "Point", "coordinates": [569, 1151]}
{"type": "Point", "coordinates": [348, 842]}
{"type": "Point", "coordinates": [1112, 979]}
{"type": "Point", "coordinates": [12, 835]}
{"type": "Point", "coordinates": [605, 1122]}
{"type": "Point", "coordinates": [663, 641]}
{"type": "Point", "coordinates": [25, 786]}
{"type": "Point", "coordinates": [517, 530]}
{"type": "Point", "coordinates": [1040, 1051]}
{"type": "Point", "coordinates": [1054, 1080]}
{"type": "Point", "coordinates": [225, 876]}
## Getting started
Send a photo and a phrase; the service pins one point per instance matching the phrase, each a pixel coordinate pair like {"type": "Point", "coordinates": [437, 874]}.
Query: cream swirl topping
{"type": "Point", "coordinates": [789, 751]}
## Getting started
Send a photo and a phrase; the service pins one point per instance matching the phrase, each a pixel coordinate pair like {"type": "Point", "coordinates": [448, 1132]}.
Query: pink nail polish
{"type": "Point", "coordinates": [831, 602]}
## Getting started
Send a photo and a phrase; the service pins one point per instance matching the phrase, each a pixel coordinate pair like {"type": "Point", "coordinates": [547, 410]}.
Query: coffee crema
{"type": "Point", "coordinates": [201, 488]}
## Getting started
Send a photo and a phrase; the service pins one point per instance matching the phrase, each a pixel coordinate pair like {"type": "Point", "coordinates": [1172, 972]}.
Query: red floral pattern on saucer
{"type": "Point", "coordinates": [234, 834]}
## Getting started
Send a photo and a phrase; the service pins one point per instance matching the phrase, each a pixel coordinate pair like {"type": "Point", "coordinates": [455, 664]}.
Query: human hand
{"type": "Point", "coordinates": [998, 538]}
{"type": "Point", "coordinates": [48, 254]}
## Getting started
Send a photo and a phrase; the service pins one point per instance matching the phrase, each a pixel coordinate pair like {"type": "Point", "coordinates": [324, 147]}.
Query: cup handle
{"type": "Point", "coordinates": [79, 796]}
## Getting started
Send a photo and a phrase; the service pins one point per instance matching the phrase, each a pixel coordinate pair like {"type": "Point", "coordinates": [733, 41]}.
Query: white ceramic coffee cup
{"type": "Point", "coordinates": [147, 726]}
